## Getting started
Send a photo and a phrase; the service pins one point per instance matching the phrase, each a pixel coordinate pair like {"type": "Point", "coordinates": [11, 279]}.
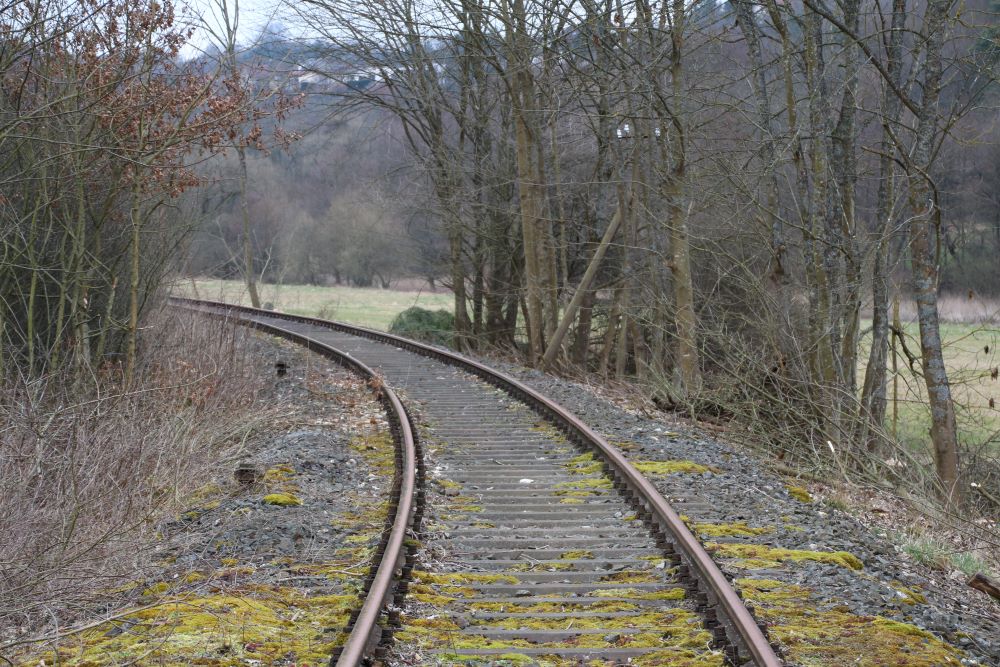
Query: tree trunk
{"type": "Point", "coordinates": [924, 252]}
{"type": "Point", "coordinates": [249, 272]}
{"type": "Point", "coordinates": [555, 343]}
{"type": "Point", "coordinates": [872, 409]}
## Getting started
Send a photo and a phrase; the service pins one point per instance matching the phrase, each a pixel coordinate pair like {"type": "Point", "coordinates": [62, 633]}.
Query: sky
{"type": "Point", "coordinates": [254, 15]}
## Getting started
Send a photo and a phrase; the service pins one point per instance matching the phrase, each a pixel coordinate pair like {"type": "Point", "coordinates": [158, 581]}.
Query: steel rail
{"type": "Point", "coordinates": [365, 633]}
{"type": "Point", "coordinates": [736, 620]}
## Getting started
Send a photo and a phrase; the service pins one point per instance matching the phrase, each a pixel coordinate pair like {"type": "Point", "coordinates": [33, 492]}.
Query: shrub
{"type": "Point", "coordinates": [431, 326]}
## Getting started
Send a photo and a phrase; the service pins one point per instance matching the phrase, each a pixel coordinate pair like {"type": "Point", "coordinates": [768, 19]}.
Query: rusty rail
{"type": "Point", "coordinates": [365, 633]}
{"type": "Point", "coordinates": [727, 615]}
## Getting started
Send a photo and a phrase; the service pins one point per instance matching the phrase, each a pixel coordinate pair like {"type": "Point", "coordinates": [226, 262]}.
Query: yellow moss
{"type": "Point", "coordinates": [462, 578]}
{"type": "Point", "coordinates": [799, 494]}
{"type": "Point", "coordinates": [909, 595]}
{"type": "Point", "coordinates": [279, 474]}
{"type": "Point", "coordinates": [484, 524]}
{"type": "Point", "coordinates": [282, 499]}
{"type": "Point", "coordinates": [584, 464]}
{"type": "Point", "coordinates": [447, 483]}
{"type": "Point", "coordinates": [554, 607]}
{"type": "Point", "coordinates": [193, 577]}
{"type": "Point", "coordinates": [812, 638]}
{"type": "Point", "coordinates": [468, 508]}
{"type": "Point", "coordinates": [582, 484]}
{"type": "Point", "coordinates": [758, 555]}
{"type": "Point", "coordinates": [576, 555]}
{"type": "Point", "coordinates": [550, 431]}
{"type": "Point", "coordinates": [624, 445]}
{"type": "Point", "coordinates": [667, 620]}
{"type": "Point", "coordinates": [228, 562]}
{"type": "Point", "coordinates": [633, 577]}
{"type": "Point", "coordinates": [669, 467]}
{"type": "Point", "coordinates": [269, 625]}
{"type": "Point", "coordinates": [679, 659]}
{"type": "Point", "coordinates": [377, 449]}
{"type": "Point", "coordinates": [580, 494]}
{"type": "Point", "coordinates": [739, 529]}
{"type": "Point", "coordinates": [204, 492]}
{"type": "Point", "coordinates": [158, 588]}
{"type": "Point", "coordinates": [571, 501]}
{"type": "Point", "coordinates": [541, 567]}
{"type": "Point", "coordinates": [498, 660]}
{"type": "Point", "coordinates": [446, 594]}
{"type": "Point", "coordinates": [636, 594]}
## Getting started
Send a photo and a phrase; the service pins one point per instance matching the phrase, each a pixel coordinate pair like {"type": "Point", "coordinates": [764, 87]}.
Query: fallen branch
{"type": "Point", "coordinates": [983, 583]}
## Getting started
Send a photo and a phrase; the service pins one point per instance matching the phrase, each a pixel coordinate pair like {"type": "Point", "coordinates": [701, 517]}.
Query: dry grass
{"type": "Point", "coordinates": [364, 306]}
{"type": "Point", "coordinates": [85, 475]}
{"type": "Point", "coordinates": [958, 309]}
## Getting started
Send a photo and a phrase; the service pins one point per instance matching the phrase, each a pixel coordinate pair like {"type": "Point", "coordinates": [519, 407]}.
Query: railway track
{"type": "Point", "coordinates": [556, 549]}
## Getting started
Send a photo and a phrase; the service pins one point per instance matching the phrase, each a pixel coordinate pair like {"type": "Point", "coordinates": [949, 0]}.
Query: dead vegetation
{"type": "Point", "coordinates": [86, 472]}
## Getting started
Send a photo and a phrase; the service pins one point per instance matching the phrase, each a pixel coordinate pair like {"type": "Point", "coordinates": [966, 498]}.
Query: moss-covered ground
{"type": "Point", "coordinates": [812, 637]}
{"type": "Point", "coordinates": [279, 612]}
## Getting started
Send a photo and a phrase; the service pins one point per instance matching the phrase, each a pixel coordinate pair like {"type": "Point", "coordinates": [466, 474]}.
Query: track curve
{"type": "Point", "coordinates": [532, 518]}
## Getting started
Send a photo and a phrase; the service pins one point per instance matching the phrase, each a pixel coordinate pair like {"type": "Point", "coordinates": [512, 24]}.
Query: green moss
{"type": "Point", "coordinates": [757, 555]}
{"type": "Point", "coordinates": [670, 467]}
{"type": "Point", "coordinates": [282, 499]}
{"type": "Point", "coordinates": [812, 638]}
{"type": "Point", "coordinates": [799, 493]}
{"type": "Point", "coordinates": [738, 529]}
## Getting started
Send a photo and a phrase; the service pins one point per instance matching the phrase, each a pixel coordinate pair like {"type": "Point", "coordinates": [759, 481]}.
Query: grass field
{"type": "Point", "coordinates": [972, 350]}
{"type": "Point", "coordinates": [368, 307]}
{"type": "Point", "coordinates": [971, 354]}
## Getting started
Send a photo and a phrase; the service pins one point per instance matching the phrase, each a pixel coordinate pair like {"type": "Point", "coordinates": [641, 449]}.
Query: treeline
{"type": "Point", "coordinates": [701, 195]}
{"type": "Point", "coordinates": [332, 208]}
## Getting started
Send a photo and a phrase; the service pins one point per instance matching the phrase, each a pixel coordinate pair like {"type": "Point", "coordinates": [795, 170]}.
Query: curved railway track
{"type": "Point", "coordinates": [568, 552]}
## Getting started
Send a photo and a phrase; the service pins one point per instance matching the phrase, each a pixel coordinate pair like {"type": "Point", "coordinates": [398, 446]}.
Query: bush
{"type": "Point", "coordinates": [431, 326]}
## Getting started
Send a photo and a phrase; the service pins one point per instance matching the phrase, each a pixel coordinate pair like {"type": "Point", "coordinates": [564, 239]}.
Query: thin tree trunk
{"type": "Point", "coordinates": [871, 418]}
{"type": "Point", "coordinates": [555, 343]}
{"type": "Point", "coordinates": [924, 252]}
{"type": "Point", "coordinates": [249, 272]}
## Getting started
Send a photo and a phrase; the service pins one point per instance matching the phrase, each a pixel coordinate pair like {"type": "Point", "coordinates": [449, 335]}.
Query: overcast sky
{"type": "Point", "coordinates": [253, 16]}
